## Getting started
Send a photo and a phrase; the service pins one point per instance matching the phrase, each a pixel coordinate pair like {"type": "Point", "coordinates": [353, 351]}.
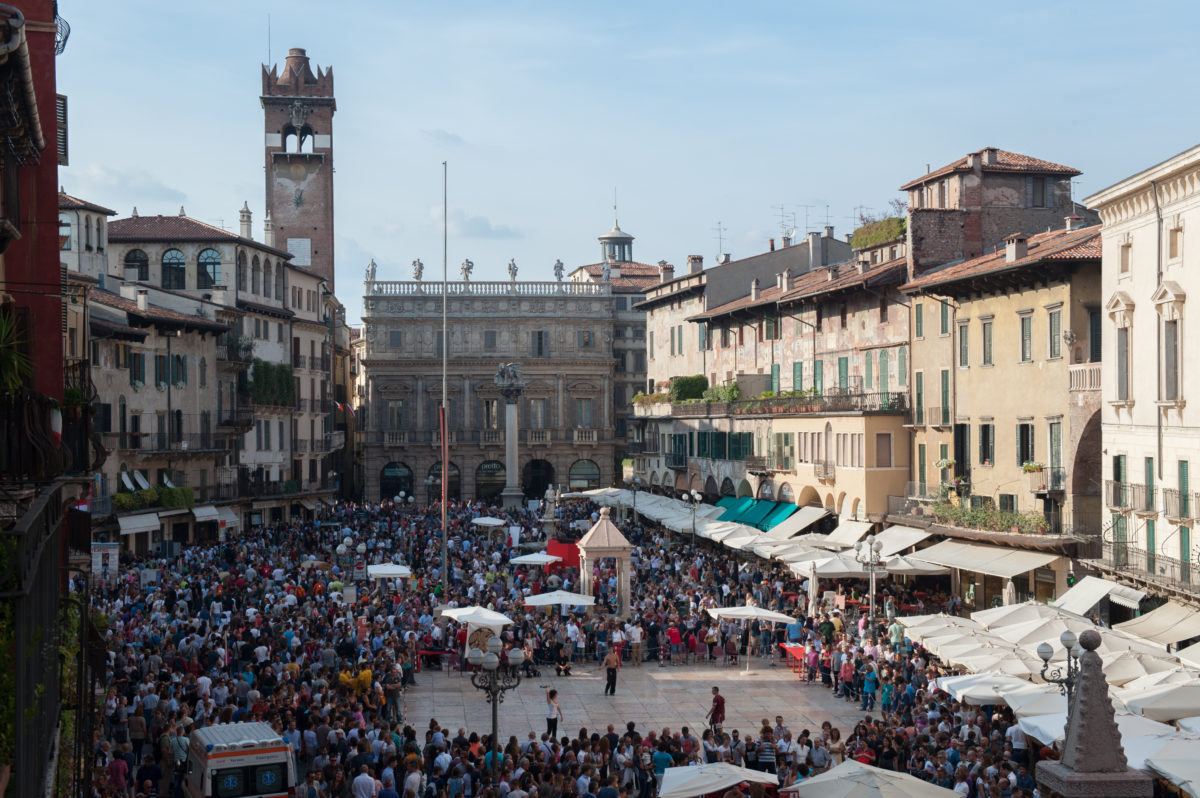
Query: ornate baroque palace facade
{"type": "Point", "coordinates": [561, 334]}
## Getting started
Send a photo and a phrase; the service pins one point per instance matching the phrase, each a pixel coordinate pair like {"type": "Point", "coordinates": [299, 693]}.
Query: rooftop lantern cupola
{"type": "Point", "coordinates": [616, 246]}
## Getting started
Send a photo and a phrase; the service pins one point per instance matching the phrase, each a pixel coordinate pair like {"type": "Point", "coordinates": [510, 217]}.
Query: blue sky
{"type": "Point", "coordinates": [697, 113]}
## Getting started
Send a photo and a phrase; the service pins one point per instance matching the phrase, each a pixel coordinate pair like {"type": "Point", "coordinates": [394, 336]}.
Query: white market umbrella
{"type": "Point", "coordinates": [1028, 703]}
{"type": "Point", "coordinates": [1053, 728]}
{"type": "Point", "coordinates": [1165, 702]}
{"type": "Point", "coordinates": [1122, 667]}
{"type": "Point", "coordinates": [688, 782]}
{"type": "Point", "coordinates": [537, 558]}
{"type": "Point", "coordinates": [982, 688]}
{"type": "Point", "coordinates": [477, 616]}
{"type": "Point", "coordinates": [747, 613]}
{"type": "Point", "coordinates": [484, 520]}
{"type": "Point", "coordinates": [559, 597]}
{"type": "Point", "coordinates": [903, 566]}
{"type": "Point", "coordinates": [1154, 680]}
{"type": "Point", "coordinates": [389, 570]}
{"type": "Point", "coordinates": [1160, 746]}
{"type": "Point", "coordinates": [852, 779]}
{"type": "Point", "coordinates": [1042, 630]}
{"type": "Point", "coordinates": [1183, 772]}
{"type": "Point", "coordinates": [1191, 724]}
{"type": "Point", "coordinates": [1020, 613]}
{"type": "Point", "coordinates": [1013, 663]}
{"type": "Point", "coordinates": [841, 566]}
{"type": "Point", "coordinates": [577, 495]}
{"type": "Point", "coordinates": [973, 646]}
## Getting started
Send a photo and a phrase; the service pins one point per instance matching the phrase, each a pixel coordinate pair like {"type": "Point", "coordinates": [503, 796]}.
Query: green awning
{"type": "Point", "coordinates": [727, 501]}
{"type": "Point", "coordinates": [781, 511]}
{"type": "Point", "coordinates": [755, 515]}
{"type": "Point", "coordinates": [733, 512]}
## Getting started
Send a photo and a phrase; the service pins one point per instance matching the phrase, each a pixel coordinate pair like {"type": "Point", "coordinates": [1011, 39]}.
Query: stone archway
{"type": "Point", "coordinates": [841, 502]}
{"type": "Point", "coordinates": [489, 480]}
{"type": "Point", "coordinates": [766, 490]}
{"type": "Point", "coordinates": [394, 478]}
{"type": "Point", "coordinates": [727, 488]}
{"type": "Point", "coordinates": [583, 475]}
{"type": "Point", "coordinates": [681, 481]}
{"type": "Point", "coordinates": [854, 507]}
{"type": "Point", "coordinates": [785, 494]}
{"type": "Point", "coordinates": [809, 497]}
{"type": "Point", "coordinates": [696, 484]}
{"type": "Point", "coordinates": [744, 489]}
{"type": "Point", "coordinates": [830, 504]}
{"type": "Point", "coordinates": [536, 476]}
{"type": "Point", "coordinates": [710, 486]}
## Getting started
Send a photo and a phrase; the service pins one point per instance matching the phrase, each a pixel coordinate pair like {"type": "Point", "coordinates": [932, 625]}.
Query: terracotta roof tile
{"type": "Point", "coordinates": [1005, 162]}
{"type": "Point", "coordinates": [178, 228]}
{"type": "Point", "coordinates": [635, 278]}
{"type": "Point", "coordinates": [154, 313]}
{"type": "Point", "coordinates": [68, 203]}
{"type": "Point", "coordinates": [817, 282]}
{"type": "Point", "coordinates": [766, 296]}
{"type": "Point", "coordinates": [1055, 245]}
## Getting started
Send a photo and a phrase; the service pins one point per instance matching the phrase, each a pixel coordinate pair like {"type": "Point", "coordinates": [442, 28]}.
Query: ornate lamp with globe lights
{"type": "Point", "coordinates": [495, 681]}
{"type": "Point", "coordinates": [868, 552]}
{"type": "Point", "coordinates": [1065, 676]}
{"type": "Point", "coordinates": [693, 498]}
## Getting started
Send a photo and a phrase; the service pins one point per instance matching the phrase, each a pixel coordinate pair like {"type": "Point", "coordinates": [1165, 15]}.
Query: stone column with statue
{"type": "Point", "coordinates": [512, 385]}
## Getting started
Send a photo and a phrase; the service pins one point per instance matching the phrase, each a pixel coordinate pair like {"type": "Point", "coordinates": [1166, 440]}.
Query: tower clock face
{"type": "Point", "coordinates": [479, 638]}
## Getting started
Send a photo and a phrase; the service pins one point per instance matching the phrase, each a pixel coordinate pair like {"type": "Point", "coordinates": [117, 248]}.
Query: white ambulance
{"type": "Point", "coordinates": [239, 760]}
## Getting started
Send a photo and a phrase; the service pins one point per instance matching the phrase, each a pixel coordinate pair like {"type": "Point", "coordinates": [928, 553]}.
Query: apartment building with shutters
{"type": "Point", "coordinates": [1151, 239]}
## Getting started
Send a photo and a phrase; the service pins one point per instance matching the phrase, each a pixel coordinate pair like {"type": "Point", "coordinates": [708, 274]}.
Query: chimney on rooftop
{"type": "Point", "coordinates": [143, 299]}
{"type": "Point", "coordinates": [268, 230]}
{"type": "Point", "coordinates": [785, 280]}
{"type": "Point", "coordinates": [666, 272]}
{"type": "Point", "coordinates": [829, 231]}
{"type": "Point", "coordinates": [972, 160]}
{"type": "Point", "coordinates": [990, 156]}
{"type": "Point", "coordinates": [1016, 246]}
{"type": "Point", "coordinates": [1074, 221]}
{"type": "Point", "coordinates": [787, 241]}
{"type": "Point", "coordinates": [754, 290]}
{"type": "Point", "coordinates": [772, 243]}
{"type": "Point", "coordinates": [815, 259]}
{"type": "Point", "coordinates": [831, 273]}
{"type": "Point", "coordinates": [244, 216]}
{"type": "Point", "coordinates": [695, 264]}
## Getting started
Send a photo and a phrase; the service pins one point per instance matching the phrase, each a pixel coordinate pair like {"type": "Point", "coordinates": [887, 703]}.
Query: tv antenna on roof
{"type": "Point", "coordinates": [720, 230]}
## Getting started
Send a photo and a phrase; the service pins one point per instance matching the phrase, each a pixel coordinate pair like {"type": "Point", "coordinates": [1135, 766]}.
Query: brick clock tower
{"type": "Point", "coordinates": [298, 109]}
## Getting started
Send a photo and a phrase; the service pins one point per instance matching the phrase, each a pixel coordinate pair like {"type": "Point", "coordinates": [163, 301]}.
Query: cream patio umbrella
{"type": "Point", "coordinates": [852, 779]}
{"type": "Point", "coordinates": [1023, 612]}
{"type": "Point", "coordinates": [1013, 663]}
{"type": "Point", "coordinates": [1183, 772]}
{"type": "Point", "coordinates": [1122, 667]}
{"type": "Point", "coordinates": [559, 597]}
{"type": "Point", "coordinates": [1052, 728]}
{"type": "Point", "coordinates": [1166, 703]}
{"type": "Point", "coordinates": [689, 782]}
{"type": "Point", "coordinates": [903, 566]}
{"type": "Point", "coordinates": [537, 558]}
{"type": "Point", "coordinates": [1177, 675]}
{"type": "Point", "coordinates": [750, 612]}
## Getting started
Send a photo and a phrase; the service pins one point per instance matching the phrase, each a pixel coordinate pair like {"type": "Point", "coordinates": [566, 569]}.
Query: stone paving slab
{"type": "Point", "coordinates": [651, 696]}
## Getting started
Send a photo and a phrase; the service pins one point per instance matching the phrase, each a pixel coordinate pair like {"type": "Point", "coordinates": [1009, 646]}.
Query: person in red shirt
{"type": "Point", "coordinates": [716, 714]}
{"type": "Point", "coordinates": [676, 644]}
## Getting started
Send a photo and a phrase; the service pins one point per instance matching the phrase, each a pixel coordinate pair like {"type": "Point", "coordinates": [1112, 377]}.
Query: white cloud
{"type": "Point", "coordinates": [123, 189]}
{"type": "Point", "coordinates": [463, 225]}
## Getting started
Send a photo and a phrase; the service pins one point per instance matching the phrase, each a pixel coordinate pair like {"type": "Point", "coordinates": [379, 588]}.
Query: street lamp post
{"type": "Point", "coordinates": [867, 552]}
{"type": "Point", "coordinates": [634, 485]}
{"type": "Point", "coordinates": [1065, 680]}
{"type": "Point", "coordinates": [693, 498]}
{"type": "Point", "coordinates": [495, 682]}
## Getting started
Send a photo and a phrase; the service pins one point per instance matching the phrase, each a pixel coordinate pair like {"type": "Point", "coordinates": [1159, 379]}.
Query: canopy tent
{"type": "Point", "coordinates": [781, 512]}
{"type": "Point", "coordinates": [1139, 751]}
{"type": "Point", "coordinates": [905, 566]}
{"type": "Point", "coordinates": [205, 512]}
{"type": "Point", "coordinates": [1024, 612]}
{"type": "Point", "coordinates": [1089, 591]}
{"type": "Point", "coordinates": [853, 779]}
{"type": "Point", "coordinates": [228, 516]}
{"type": "Point", "coordinates": [388, 570]}
{"type": "Point", "coordinates": [1148, 681]}
{"type": "Point", "coordinates": [133, 524]}
{"type": "Point", "coordinates": [1191, 724]}
{"type": "Point", "coordinates": [1052, 728]}
{"type": "Point", "coordinates": [981, 688]}
{"type": "Point", "coordinates": [1168, 624]}
{"type": "Point", "coordinates": [754, 515]}
{"type": "Point", "coordinates": [750, 612]}
{"type": "Point", "coordinates": [483, 520]}
{"type": "Point", "coordinates": [1037, 700]}
{"type": "Point", "coordinates": [688, 782]}
{"type": "Point", "coordinates": [537, 558]}
{"type": "Point", "coordinates": [1123, 667]}
{"type": "Point", "coordinates": [559, 597]}
{"type": "Point", "coordinates": [478, 616]}
{"type": "Point", "coordinates": [1190, 655]}
{"type": "Point", "coordinates": [847, 534]}
{"type": "Point", "coordinates": [898, 538]}
{"type": "Point", "coordinates": [983, 559]}
{"type": "Point", "coordinates": [734, 510]}
{"type": "Point", "coordinates": [1183, 772]}
{"type": "Point", "coordinates": [797, 522]}
{"type": "Point", "coordinates": [1166, 702]}
{"type": "Point", "coordinates": [1012, 663]}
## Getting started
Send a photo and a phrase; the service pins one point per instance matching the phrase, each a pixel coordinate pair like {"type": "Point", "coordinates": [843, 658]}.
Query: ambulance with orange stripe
{"type": "Point", "coordinates": [239, 760]}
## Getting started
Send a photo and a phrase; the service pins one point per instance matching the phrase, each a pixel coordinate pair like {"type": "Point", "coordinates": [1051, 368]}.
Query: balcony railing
{"type": "Point", "coordinates": [300, 445]}
{"type": "Point", "coordinates": [28, 450]}
{"type": "Point", "coordinates": [1180, 505]}
{"type": "Point", "coordinates": [832, 402]}
{"type": "Point", "coordinates": [676, 460]}
{"type": "Point", "coordinates": [825, 469]}
{"type": "Point", "coordinates": [1084, 376]}
{"type": "Point", "coordinates": [1142, 498]}
{"type": "Point", "coordinates": [1048, 480]}
{"type": "Point", "coordinates": [321, 445]}
{"type": "Point", "coordinates": [491, 437]}
{"type": "Point", "coordinates": [1116, 494]}
{"type": "Point", "coordinates": [541, 436]}
{"type": "Point", "coordinates": [1151, 567]}
{"type": "Point", "coordinates": [585, 436]}
{"type": "Point", "coordinates": [77, 376]}
{"type": "Point", "coordinates": [937, 416]}
{"type": "Point", "coordinates": [157, 442]}
{"type": "Point", "coordinates": [236, 352]}
{"type": "Point", "coordinates": [236, 417]}
{"type": "Point", "coordinates": [299, 361]}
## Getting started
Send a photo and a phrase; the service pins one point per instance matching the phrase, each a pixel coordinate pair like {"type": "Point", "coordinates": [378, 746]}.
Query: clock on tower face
{"type": "Point", "coordinates": [479, 638]}
{"type": "Point", "coordinates": [298, 197]}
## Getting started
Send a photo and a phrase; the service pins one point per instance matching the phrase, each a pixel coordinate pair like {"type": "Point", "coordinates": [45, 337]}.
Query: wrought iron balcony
{"type": "Point", "coordinates": [676, 460]}
{"type": "Point", "coordinates": [1048, 480]}
{"type": "Point", "coordinates": [825, 469]}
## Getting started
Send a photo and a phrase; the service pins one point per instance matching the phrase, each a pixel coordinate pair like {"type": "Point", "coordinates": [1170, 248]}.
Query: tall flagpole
{"type": "Point", "coordinates": [444, 421]}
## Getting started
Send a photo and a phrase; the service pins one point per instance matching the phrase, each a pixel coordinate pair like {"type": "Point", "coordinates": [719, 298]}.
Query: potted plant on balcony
{"type": "Point", "coordinates": [15, 365]}
{"type": "Point", "coordinates": [945, 464]}
{"type": "Point", "coordinates": [1033, 467]}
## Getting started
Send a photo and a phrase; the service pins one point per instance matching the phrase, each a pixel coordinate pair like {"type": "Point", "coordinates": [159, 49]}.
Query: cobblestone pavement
{"type": "Point", "coordinates": [651, 696]}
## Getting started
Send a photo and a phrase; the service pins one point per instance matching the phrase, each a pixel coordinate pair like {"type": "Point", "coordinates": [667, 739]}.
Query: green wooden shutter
{"type": "Point", "coordinates": [819, 377]}
{"type": "Point", "coordinates": [1185, 499]}
{"type": "Point", "coordinates": [867, 382]}
{"type": "Point", "coordinates": [843, 372]}
{"type": "Point", "coordinates": [945, 310]}
{"type": "Point", "coordinates": [920, 320]}
{"type": "Point", "coordinates": [797, 376]}
{"type": "Point", "coordinates": [902, 367]}
{"type": "Point", "coordinates": [921, 468]}
{"type": "Point", "coordinates": [884, 372]}
{"type": "Point", "coordinates": [775, 377]}
{"type": "Point", "coordinates": [945, 397]}
{"type": "Point", "coordinates": [919, 390]}
{"type": "Point", "coordinates": [702, 335]}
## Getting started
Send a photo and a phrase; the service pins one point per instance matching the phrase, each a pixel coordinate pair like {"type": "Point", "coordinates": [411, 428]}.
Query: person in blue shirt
{"type": "Point", "coordinates": [662, 760]}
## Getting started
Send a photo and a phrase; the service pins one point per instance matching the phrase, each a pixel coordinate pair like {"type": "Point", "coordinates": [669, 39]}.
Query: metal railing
{"type": "Point", "coordinates": [825, 469]}
{"type": "Point", "coordinates": [1116, 494]}
{"type": "Point", "coordinates": [300, 445]}
{"type": "Point", "coordinates": [585, 435]}
{"type": "Point", "coordinates": [1150, 567]}
{"type": "Point", "coordinates": [1084, 376]}
{"type": "Point", "coordinates": [1048, 480]}
{"type": "Point", "coordinates": [1142, 498]}
{"type": "Point", "coordinates": [1178, 504]}
{"type": "Point", "coordinates": [154, 442]}
{"type": "Point", "coordinates": [676, 459]}
{"type": "Point", "coordinates": [236, 353]}
{"type": "Point", "coordinates": [236, 417]}
{"type": "Point", "coordinates": [321, 445]}
{"type": "Point", "coordinates": [487, 288]}
{"type": "Point", "coordinates": [299, 361]}
{"type": "Point", "coordinates": [937, 416]}
{"type": "Point", "coordinates": [831, 402]}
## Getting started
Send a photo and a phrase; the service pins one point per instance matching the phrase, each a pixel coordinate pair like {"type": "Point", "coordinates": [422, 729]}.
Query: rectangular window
{"type": "Point", "coordinates": [867, 383]}
{"type": "Point", "coordinates": [1094, 349]}
{"type": "Point", "coordinates": [1055, 348]}
{"type": "Point", "coordinates": [945, 309]}
{"type": "Point", "coordinates": [987, 444]}
{"type": "Point", "coordinates": [541, 343]}
{"type": "Point", "coordinates": [489, 340]}
{"type": "Point", "coordinates": [584, 339]}
{"type": "Point", "coordinates": [921, 484]}
{"type": "Point", "coordinates": [1123, 363]}
{"type": "Point", "coordinates": [919, 391]}
{"type": "Point", "coordinates": [843, 373]}
{"type": "Point", "coordinates": [1025, 448]}
{"type": "Point", "coordinates": [538, 415]}
{"type": "Point", "coordinates": [1125, 255]}
{"type": "Point", "coordinates": [883, 309]}
{"type": "Point", "coordinates": [1185, 499]}
{"type": "Point", "coordinates": [964, 345]}
{"type": "Point", "coordinates": [986, 336]}
{"type": "Point", "coordinates": [902, 367]}
{"type": "Point", "coordinates": [1026, 338]}
{"type": "Point", "coordinates": [438, 345]}
{"type": "Point", "coordinates": [491, 414]}
{"type": "Point", "coordinates": [945, 414]}
{"type": "Point", "coordinates": [883, 450]}
{"type": "Point", "coordinates": [1055, 428]}
{"type": "Point", "coordinates": [395, 338]}
{"type": "Point", "coordinates": [775, 378]}
{"type": "Point", "coordinates": [672, 348]}
{"type": "Point", "coordinates": [583, 413]}
{"type": "Point", "coordinates": [702, 335]}
{"type": "Point", "coordinates": [920, 319]}
{"type": "Point", "coordinates": [267, 435]}
{"type": "Point", "coordinates": [650, 344]}
{"type": "Point", "coordinates": [797, 376]}
{"type": "Point", "coordinates": [1038, 192]}
{"type": "Point", "coordinates": [1170, 361]}
{"type": "Point", "coordinates": [1174, 242]}
{"type": "Point", "coordinates": [1008, 502]}
{"type": "Point", "coordinates": [679, 340]}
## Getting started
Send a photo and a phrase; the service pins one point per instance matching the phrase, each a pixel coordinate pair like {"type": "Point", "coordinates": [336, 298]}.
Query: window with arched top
{"type": "Point", "coordinates": [137, 259]}
{"type": "Point", "coordinates": [208, 272]}
{"type": "Point", "coordinates": [87, 232]}
{"type": "Point", "coordinates": [100, 234]}
{"type": "Point", "coordinates": [174, 270]}
{"type": "Point", "coordinates": [203, 372]}
{"type": "Point", "coordinates": [255, 276]}
{"type": "Point", "coordinates": [241, 271]}
{"type": "Point", "coordinates": [279, 282]}
{"type": "Point", "coordinates": [267, 279]}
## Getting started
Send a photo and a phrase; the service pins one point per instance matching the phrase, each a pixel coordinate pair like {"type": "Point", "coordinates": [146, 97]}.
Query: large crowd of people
{"type": "Point", "coordinates": [267, 627]}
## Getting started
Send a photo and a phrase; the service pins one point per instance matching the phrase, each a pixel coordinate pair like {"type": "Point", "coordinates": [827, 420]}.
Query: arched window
{"type": "Point", "coordinates": [584, 474]}
{"type": "Point", "coordinates": [267, 279]}
{"type": "Point", "coordinates": [279, 282]}
{"type": "Point", "coordinates": [490, 478]}
{"type": "Point", "coordinates": [100, 235]}
{"type": "Point", "coordinates": [241, 271]}
{"type": "Point", "coordinates": [137, 259]}
{"type": "Point", "coordinates": [394, 478]}
{"type": "Point", "coordinates": [255, 276]}
{"type": "Point", "coordinates": [87, 233]}
{"type": "Point", "coordinates": [203, 372]}
{"type": "Point", "coordinates": [174, 270]}
{"type": "Point", "coordinates": [786, 494]}
{"type": "Point", "coordinates": [208, 273]}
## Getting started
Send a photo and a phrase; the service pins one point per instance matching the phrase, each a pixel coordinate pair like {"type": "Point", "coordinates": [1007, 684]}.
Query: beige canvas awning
{"type": "Point", "coordinates": [205, 512]}
{"type": "Point", "coordinates": [228, 516]}
{"type": "Point", "coordinates": [1090, 590]}
{"type": "Point", "coordinates": [898, 538]}
{"type": "Point", "coordinates": [1168, 624]}
{"type": "Point", "coordinates": [143, 522]}
{"type": "Point", "coordinates": [983, 559]}
{"type": "Point", "coordinates": [847, 534]}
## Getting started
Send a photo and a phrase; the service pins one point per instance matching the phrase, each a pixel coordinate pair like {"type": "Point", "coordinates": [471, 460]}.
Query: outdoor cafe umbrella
{"type": "Point", "coordinates": [1013, 663]}
{"type": "Point", "coordinates": [1122, 667]}
{"type": "Point", "coordinates": [750, 612]}
{"type": "Point", "coordinates": [1051, 728]}
{"type": "Point", "coordinates": [537, 558]}
{"type": "Point", "coordinates": [559, 597]}
{"type": "Point", "coordinates": [688, 782]}
{"type": "Point", "coordinates": [903, 566]}
{"type": "Point", "coordinates": [1166, 702]}
{"type": "Point", "coordinates": [484, 520]}
{"type": "Point", "coordinates": [853, 779]}
{"type": "Point", "coordinates": [476, 616]}
{"type": "Point", "coordinates": [1173, 675]}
